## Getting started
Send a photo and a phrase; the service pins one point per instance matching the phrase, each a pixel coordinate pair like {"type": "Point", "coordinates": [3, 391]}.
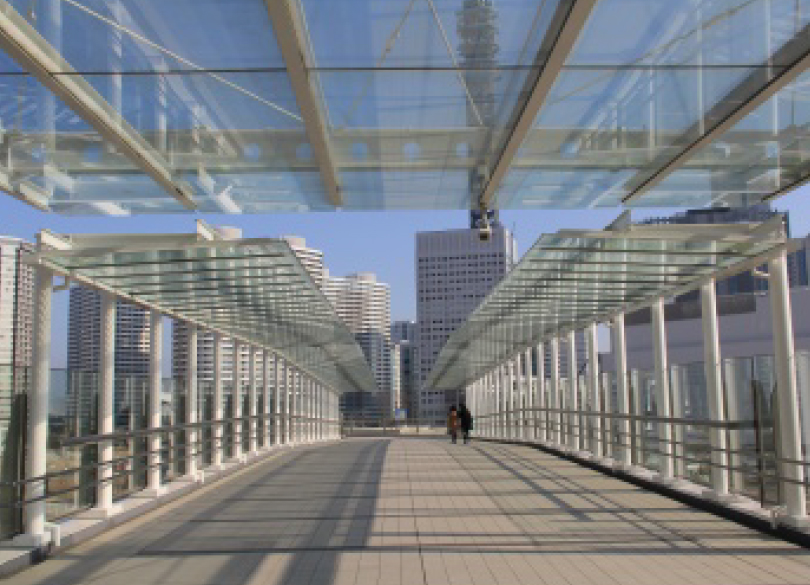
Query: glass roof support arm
{"type": "Point", "coordinates": [34, 54]}
{"type": "Point", "coordinates": [749, 94]}
{"type": "Point", "coordinates": [574, 420]}
{"type": "Point", "coordinates": [662, 389]}
{"type": "Point", "coordinates": [714, 389]}
{"type": "Point", "coordinates": [153, 483]}
{"type": "Point", "coordinates": [191, 444]}
{"type": "Point", "coordinates": [37, 428]}
{"type": "Point", "coordinates": [790, 439]}
{"type": "Point", "coordinates": [594, 402]}
{"type": "Point", "coordinates": [571, 17]}
{"type": "Point", "coordinates": [622, 450]}
{"type": "Point", "coordinates": [219, 429]}
{"type": "Point", "coordinates": [290, 32]}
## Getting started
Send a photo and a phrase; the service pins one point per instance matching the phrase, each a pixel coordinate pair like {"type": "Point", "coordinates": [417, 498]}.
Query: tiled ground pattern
{"type": "Point", "coordinates": [422, 511]}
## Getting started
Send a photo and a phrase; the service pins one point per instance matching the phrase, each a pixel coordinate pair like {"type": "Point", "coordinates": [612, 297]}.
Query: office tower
{"type": "Point", "coordinates": [403, 331]}
{"type": "Point", "coordinates": [455, 270]}
{"type": "Point", "coordinates": [16, 323]}
{"type": "Point", "coordinates": [365, 306]}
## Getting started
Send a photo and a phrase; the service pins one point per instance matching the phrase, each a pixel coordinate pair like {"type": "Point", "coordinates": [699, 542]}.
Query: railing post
{"type": "Point", "coordinates": [191, 404]}
{"type": "Point", "coordinates": [623, 454]}
{"type": "Point", "coordinates": [787, 396]}
{"type": "Point", "coordinates": [714, 389]}
{"type": "Point", "coordinates": [153, 487]}
{"type": "Point", "coordinates": [659, 333]}
{"type": "Point", "coordinates": [37, 431]}
{"type": "Point", "coordinates": [219, 429]}
{"type": "Point", "coordinates": [236, 400]}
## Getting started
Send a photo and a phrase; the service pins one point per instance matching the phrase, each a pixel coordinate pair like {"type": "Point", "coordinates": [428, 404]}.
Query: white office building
{"type": "Point", "coordinates": [455, 270]}
{"type": "Point", "coordinates": [365, 306]}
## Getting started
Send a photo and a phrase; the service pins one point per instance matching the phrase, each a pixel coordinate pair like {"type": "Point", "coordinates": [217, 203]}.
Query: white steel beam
{"type": "Point", "coordinates": [763, 84]}
{"type": "Point", "coordinates": [34, 54]}
{"type": "Point", "coordinates": [290, 31]}
{"type": "Point", "coordinates": [573, 21]}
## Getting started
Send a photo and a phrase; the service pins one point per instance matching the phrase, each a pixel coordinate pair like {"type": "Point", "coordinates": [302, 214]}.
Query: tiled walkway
{"type": "Point", "coordinates": [379, 511]}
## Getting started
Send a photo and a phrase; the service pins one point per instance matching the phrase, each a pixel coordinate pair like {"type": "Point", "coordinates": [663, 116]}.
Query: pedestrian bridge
{"type": "Point", "coordinates": [422, 511]}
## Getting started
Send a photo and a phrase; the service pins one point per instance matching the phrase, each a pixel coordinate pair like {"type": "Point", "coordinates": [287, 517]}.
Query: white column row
{"type": "Point", "coordinates": [296, 408]}
{"type": "Point", "coordinates": [519, 400]}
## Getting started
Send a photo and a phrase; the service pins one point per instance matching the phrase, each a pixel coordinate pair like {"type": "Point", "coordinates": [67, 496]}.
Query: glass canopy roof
{"type": "Point", "coordinates": [247, 106]}
{"type": "Point", "coordinates": [572, 279]}
{"type": "Point", "coordinates": [255, 290]}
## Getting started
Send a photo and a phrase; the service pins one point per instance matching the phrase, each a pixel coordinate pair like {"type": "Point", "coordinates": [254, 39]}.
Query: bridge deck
{"type": "Point", "coordinates": [422, 511]}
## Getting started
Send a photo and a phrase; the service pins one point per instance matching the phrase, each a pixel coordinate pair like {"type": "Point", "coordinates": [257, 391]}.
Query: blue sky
{"type": "Point", "coordinates": [381, 242]}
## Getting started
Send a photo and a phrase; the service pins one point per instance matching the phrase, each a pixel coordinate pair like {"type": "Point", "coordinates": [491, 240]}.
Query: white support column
{"type": "Point", "coordinates": [510, 399]}
{"type": "Point", "coordinates": [555, 433]}
{"type": "Point", "coordinates": [530, 432]}
{"type": "Point", "coordinates": [295, 380]}
{"type": "Point", "coordinates": [153, 487]}
{"type": "Point", "coordinates": [623, 452]}
{"type": "Point", "coordinates": [306, 387]}
{"type": "Point", "coordinates": [500, 427]}
{"type": "Point", "coordinates": [278, 422]}
{"type": "Point", "coordinates": [253, 427]}
{"type": "Point", "coordinates": [659, 333]}
{"type": "Point", "coordinates": [714, 389]}
{"type": "Point", "coordinates": [106, 390]}
{"type": "Point", "coordinates": [236, 399]}
{"type": "Point", "coordinates": [787, 396]}
{"type": "Point", "coordinates": [540, 400]}
{"type": "Point", "coordinates": [574, 420]}
{"type": "Point", "coordinates": [517, 406]}
{"type": "Point", "coordinates": [266, 410]}
{"type": "Point", "coordinates": [191, 404]}
{"type": "Point", "coordinates": [38, 392]}
{"type": "Point", "coordinates": [287, 377]}
{"type": "Point", "coordinates": [595, 422]}
{"type": "Point", "coordinates": [219, 433]}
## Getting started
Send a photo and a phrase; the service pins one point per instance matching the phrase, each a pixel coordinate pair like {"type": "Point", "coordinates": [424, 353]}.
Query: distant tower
{"type": "Point", "coordinates": [477, 28]}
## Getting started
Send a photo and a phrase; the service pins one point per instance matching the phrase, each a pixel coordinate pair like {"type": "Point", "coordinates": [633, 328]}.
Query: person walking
{"type": "Point", "coordinates": [465, 422]}
{"type": "Point", "coordinates": [452, 424]}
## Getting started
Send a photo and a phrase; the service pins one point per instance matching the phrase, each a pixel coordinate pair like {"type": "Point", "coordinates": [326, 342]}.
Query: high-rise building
{"type": "Point", "coordinates": [455, 270]}
{"type": "Point", "coordinates": [310, 258]}
{"type": "Point", "coordinates": [403, 331]}
{"type": "Point", "coordinates": [16, 324]}
{"type": "Point", "coordinates": [365, 306]}
{"type": "Point", "coordinates": [744, 282]}
{"type": "Point", "coordinates": [132, 328]}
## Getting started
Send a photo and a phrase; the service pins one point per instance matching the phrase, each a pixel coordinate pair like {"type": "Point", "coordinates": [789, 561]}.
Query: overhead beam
{"type": "Point", "coordinates": [290, 32]}
{"type": "Point", "coordinates": [569, 22]}
{"type": "Point", "coordinates": [756, 89]}
{"type": "Point", "coordinates": [34, 54]}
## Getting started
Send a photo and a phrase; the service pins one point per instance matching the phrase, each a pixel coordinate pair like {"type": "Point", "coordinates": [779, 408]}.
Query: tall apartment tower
{"type": "Point", "coordinates": [365, 306]}
{"type": "Point", "coordinates": [84, 334]}
{"type": "Point", "coordinates": [16, 324]}
{"type": "Point", "coordinates": [455, 270]}
{"type": "Point", "coordinates": [310, 258]}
